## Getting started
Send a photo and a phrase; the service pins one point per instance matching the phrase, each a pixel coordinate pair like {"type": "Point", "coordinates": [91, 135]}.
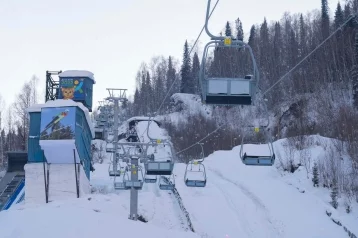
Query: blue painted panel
{"type": "Point", "coordinates": [83, 141]}
{"type": "Point", "coordinates": [73, 88]}
{"type": "Point", "coordinates": [79, 89]}
{"type": "Point", "coordinates": [34, 149]}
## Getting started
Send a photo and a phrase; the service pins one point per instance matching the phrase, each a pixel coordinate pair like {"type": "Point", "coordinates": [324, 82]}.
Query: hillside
{"type": "Point", "coordinates": [238, 201]}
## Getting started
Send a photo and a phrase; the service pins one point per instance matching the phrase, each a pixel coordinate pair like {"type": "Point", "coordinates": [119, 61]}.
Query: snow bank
{"type": "Point", "coordinates": [59, 151]}
{"type": "Point", "coordinates": [184, 105]}
{"type": "Point", "coordinates": [155, 132]}
{"type": "Point", "coordinates": [62, 183]}
{"type": "Point", "coordinates": [256, 149]}
{"type": "Point", "coordinates": [253, 201]}
{"type": "Point", "coordinates": [90, 217]}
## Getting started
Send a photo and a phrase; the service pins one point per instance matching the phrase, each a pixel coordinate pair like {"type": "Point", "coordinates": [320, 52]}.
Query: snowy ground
{"type": "Point", "coordinates": [258, 202]}
{"type": "Point", "coordinates": [91, 217]}
{"type": "Point", "coordinates": [158, 207]}
{"type": "Point", "coordinates": [238, 201]}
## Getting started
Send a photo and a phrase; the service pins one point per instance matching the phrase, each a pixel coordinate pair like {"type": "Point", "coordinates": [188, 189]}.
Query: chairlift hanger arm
{"type": "Point", "coordinates": [235, 44]}
{"type": "Point", "coordinates": [207, 16]}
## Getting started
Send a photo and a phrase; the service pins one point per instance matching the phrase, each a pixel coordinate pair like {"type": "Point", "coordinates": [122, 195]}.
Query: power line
{"type": "Point", "coordinates": [171, 86]}
{"type": "Point", "coordinates": [307, 56]}
{"type": "Point", "coordinates": [201, 139]}
{"type": "Point", "coordinates": [283, 77]}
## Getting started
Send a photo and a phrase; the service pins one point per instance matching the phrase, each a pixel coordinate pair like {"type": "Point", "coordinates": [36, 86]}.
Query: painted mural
{"type": "Point", "coordinates": [58, 123]}
{"type": "Point", "coordinates": [72, 88]}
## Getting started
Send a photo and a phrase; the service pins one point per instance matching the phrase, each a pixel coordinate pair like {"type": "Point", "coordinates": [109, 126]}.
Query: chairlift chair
{"type": "Point", "coordinates": [167, 183]}
{"type": "Point", "coordinates": [231, 90]}
{"type": "Point", "coordinates": [138, 185]}
{"type": "Point", "coordinates": [121, 185]}
{"type": "Point", "coordinates": [159, 167]}
{"type": "Point", "coordinates": [110, 149]}
{"type": "Point", "coordinates": [150, 178]}
{"type": "Point", "coordinates": [228, 90]}
{"type": "Point", "coordinates": [196, 178]}
{"type": "Point", "coordinates": [113, 173]}
{"type": "Point", "coordinates": [258, 160]}
{"type": "Point", "coordinates": [155, 167]}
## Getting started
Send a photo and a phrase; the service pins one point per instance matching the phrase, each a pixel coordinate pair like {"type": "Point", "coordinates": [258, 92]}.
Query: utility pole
{"type": "Point", "coordinates": [133, 213]}
{"type": "Point", "coordinates": [116, 95]}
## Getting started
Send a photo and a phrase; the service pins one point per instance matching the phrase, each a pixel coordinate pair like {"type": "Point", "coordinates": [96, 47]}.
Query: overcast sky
{"type": "Point", "coordinates": [112, 37]}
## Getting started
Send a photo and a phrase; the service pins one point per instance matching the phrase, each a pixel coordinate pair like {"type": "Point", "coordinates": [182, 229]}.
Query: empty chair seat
{"type": "Point", "coordinates": [119, 185]}
{"type": "Point", "coordinates": [150, 179]}
{"type": "Point", "coordinates": [113, 173]}
{"type": "Point", "coordinates": [134, 184]}
{"type": "Point", "coordinates": [159, 168]}
{"type": "Point", "coordinates": [258, 160]}
{"type": "Point", "coordinates": [195, 183]}
{"type": "Point", "coordinates": [167, 183]}
{"type": "Point", "coordinates": [229, 91]}
{"type": "Point", "coordinates": [195, 174]}
{"type": "Point", "coordinates": [166, 186]}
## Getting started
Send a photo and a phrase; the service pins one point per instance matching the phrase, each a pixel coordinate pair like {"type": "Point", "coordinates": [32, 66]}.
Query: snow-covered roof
{"type": "Point", "coordinates": [35, 108]}
{"type": "Point", "coordinates": [63, 103]}
{"type": "Point", "coordinates": [142, 119]}
{"type": "Point", "coordinates": [77, 73]}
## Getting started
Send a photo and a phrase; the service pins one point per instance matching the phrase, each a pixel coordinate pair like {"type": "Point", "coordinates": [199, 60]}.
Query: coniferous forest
{"type": "Point", "coordinates": [320, 96]}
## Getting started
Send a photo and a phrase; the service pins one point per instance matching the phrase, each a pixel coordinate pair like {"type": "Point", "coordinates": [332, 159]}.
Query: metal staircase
{"type": "Point", "coordinates": [10, 188]}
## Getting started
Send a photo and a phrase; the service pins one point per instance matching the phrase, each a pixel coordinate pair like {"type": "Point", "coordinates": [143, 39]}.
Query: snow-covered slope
{"type": "Point", "coordinates": [259, 202]}
{"type": "Point", "coordinates": [238, 201]}
{"type": "Point", "coordinates": [91, 217]}
{"type": "Point", "coordinates": [155, 132]}
{"type": "Point", "coordinates": [184, 104]}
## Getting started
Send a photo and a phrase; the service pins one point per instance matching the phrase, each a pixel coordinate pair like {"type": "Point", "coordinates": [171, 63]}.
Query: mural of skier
{"type": "Point", "coordinates": [58, 123]}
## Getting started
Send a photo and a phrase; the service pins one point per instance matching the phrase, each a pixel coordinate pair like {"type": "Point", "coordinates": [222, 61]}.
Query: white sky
{"type": "Point", "coordinates": [112, 37]}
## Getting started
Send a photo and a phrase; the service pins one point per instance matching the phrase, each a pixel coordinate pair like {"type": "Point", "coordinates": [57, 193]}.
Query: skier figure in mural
{"type": "Point", "coordinates": [54, 121]}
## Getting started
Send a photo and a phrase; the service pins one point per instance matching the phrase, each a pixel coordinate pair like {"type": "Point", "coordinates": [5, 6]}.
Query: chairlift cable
{"type": "Point", "coordinates": [313, 51]}
{"type": "Point", "coordinates": [284, 76]}
{"type": "Point", "coordinates": [172, 85]}
{"type": "Point", "coordinates": [201, 139]}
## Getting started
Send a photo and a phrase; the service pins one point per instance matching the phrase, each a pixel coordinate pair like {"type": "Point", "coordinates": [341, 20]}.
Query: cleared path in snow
{"type": "Point", "coordinates": [252, 202]}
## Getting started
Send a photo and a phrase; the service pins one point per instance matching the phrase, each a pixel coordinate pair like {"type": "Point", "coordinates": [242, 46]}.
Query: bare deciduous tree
{"type": "Point", "coordinates": [26, 98]}
{"type": "Point", "coordinates": [2, 155]}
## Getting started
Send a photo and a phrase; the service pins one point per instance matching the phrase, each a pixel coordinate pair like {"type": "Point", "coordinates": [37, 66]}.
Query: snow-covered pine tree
{"type": "Point", "coordinates": [315, 178]}
{"type": "Point", "coordinates": [186, 79]}
{"type": "Point", "coordinates": [252, 38]}
{"type": "Point", "coordinates": [355, 75]}
{"type": "Point", "coordinates": [339, 16]}
{"type": "Point", "coordinates": [324, 18]}
{"type": "Point", "coordinates": [334, 193]}
{"type": "Point", "coordinates": [228, 31]}
{"type": "Point", "coordinates": [195, 73]}
{"type": "Point", "coordinates": [239, 30]}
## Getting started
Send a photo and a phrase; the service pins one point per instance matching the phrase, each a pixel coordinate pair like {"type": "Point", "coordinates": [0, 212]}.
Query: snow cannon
{"type": "Point", "coordinates": [78, 86]}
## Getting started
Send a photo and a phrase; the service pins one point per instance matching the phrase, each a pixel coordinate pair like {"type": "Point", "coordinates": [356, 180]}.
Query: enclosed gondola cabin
{"type": "Point", "coordinates": [78, 86]}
